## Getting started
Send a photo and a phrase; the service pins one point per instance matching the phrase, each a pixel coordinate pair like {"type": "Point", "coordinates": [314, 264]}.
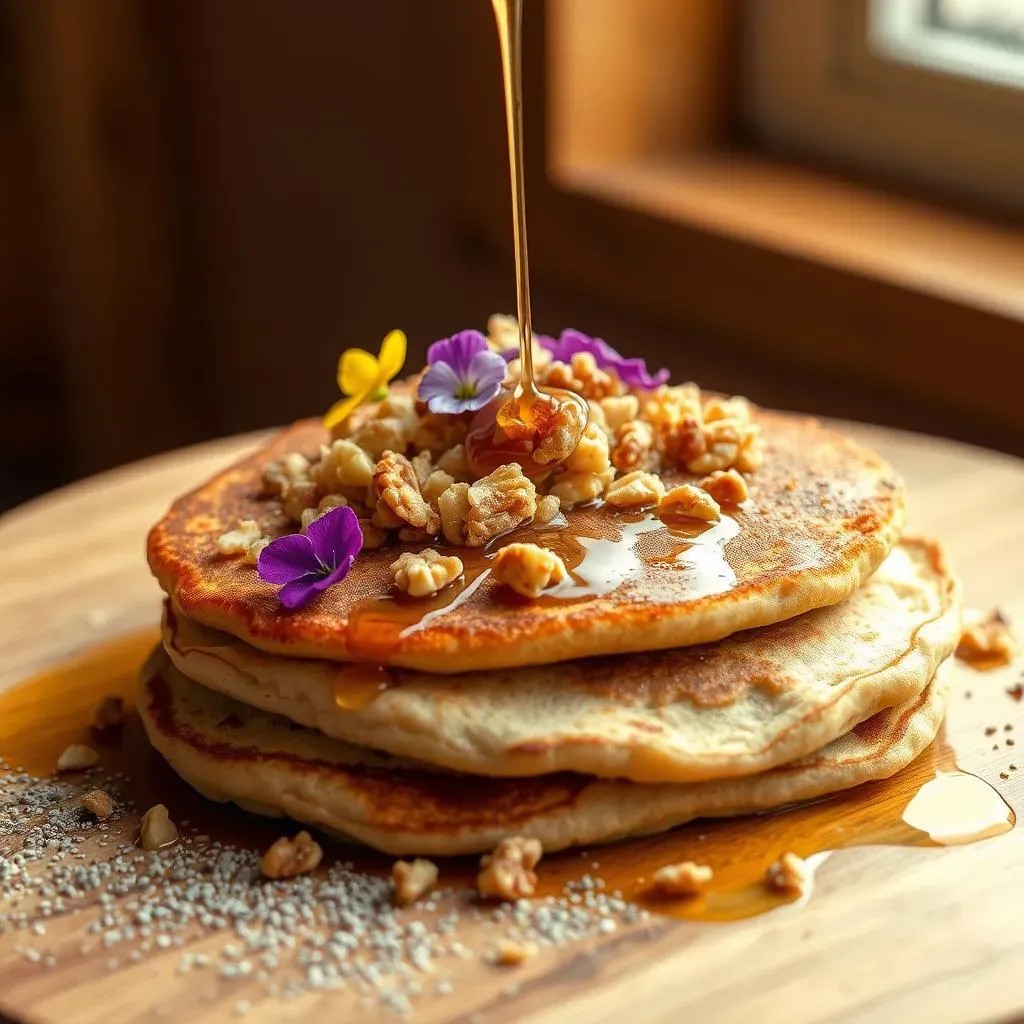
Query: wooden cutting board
{"type": "Point", "coordinates": [889, 933]}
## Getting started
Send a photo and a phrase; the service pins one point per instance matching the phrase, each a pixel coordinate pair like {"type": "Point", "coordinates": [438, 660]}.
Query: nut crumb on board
{"type": "Point", "coordinates": [156, 829]}
{"type": "Point", "coordinates": [508, 873]}
{"type": "Point", "coordinates": [509, 953]}
{"type": "Point", "coordinates": [98, 803]}
{"type": "Point", "coordinates": [528, 568]}
{"type": "Point", "coordinates": [683, 879]}
{"type": "Point", "coordinates": [286, 858]}
{"type": "Point", "coordinates": [413, 879]}
{"type": "Point", "coordinates": [77, 758]}
{"type": "Point", "coordinates": [986, 640]}
{"type": "Point", "coordinates": [788, 874]}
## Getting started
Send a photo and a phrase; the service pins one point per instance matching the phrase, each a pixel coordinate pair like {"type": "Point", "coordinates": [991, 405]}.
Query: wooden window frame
{"type": "Point", "coordinates": [642, 189]}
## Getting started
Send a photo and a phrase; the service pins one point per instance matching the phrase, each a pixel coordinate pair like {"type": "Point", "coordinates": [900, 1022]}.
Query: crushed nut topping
{"type": "Point", "coordinates": [572, 489]}
{"type": "Point", "coordinates": [684, 879]}
{"type": "Point", "coordinates": [561, 434]}
{"type": "Point", "coordinates": [109, 713]}
{"type": "Point", "coordinates": [426, 572]}
{"type": "Point", "coordinates": [453, 507]}
{"type": "Point", "coordinates": [508, 873]}
{"type": "Point", "coordinates": [287, 858]}
{"type": "Point", "coordinates": [156, 829]}
{"type": "Point", "coordinates": [77, 758]}
{"type": "Point", "coordinates": [788, 874]}
{"type": "Point", "coordinates": [454, 463]}
{"type": "Point", "coordinates": [399, 499]}
{"type": "Point", "coordinates": [435, 485]}
{"type": "Point", "coordinates": [634, 444]}
{"type": "Point", "coordinates": [498, 503]}
{"type": "Point", "coordinates": [413, 879]}
{"type": "Point", "coordinates": [239, 541]}
{"type": "Point", "coordinates": [635, 490]}
{"type": "Point", "coordinates": [509, 953]}
{"type": "Point", "coordinates": [547, 508]}
{"type": "Point", "coordinates": [374, 536]}
{"type": "Point", "coordinates": [282, 477]}
{"type": "Point", "coordinates": [986, 640]}
{"type": "Point", "coordinates": [527, 568]}
{"type": "Point", "coordinates": [690, 502]}
{"type": "Point", "coordinates": [727, 487]}
{"type": "Point", "coordinates": [591, 454]}
{"type": "Point", "coordinates": [343, 464]}
{"type": "Point", "coordinates": [98, 804]}
{"type": "Point", "coordinates": [619, 410]}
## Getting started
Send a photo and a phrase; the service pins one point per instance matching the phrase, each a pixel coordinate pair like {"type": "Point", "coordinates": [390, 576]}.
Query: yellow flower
{"type": "Point", "coordinates": [362, 375]}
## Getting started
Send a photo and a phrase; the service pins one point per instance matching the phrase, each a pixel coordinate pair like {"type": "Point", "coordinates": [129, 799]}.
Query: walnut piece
{"type": "Point", "coordinates": [986, 639]}
{"type": "Point", "coordinates": [98, 804]}
{"type": "Point", "coordinates": [287, 858]}
{"type": "Point", "coordinates": [508, 873]}
{"type": "Point", "coordinates": [547, 508]}
{"type": "Point", "coordinates": [689, 502]}
{"type": "Point", "coordinates": [426, 572]}
{"type": "Point", "coordinates": [378, 436]}
{"type": "Point", "coordinates": [454, 463]}
{"type": "Point", "coordinates": [239, 540]}
{"type": "Point", "coordinates": [156, 829]}
{"type": "Point", "coordinates": [281, 477]}
{"type": "Point", "coordinates": [343, 464]}
{"type": "Point", "coordinates": [788, 874]}
{"type": "Point", "coordinates": [413, 879]}
{"type": "Point", "coordinates": [374, 536]}
{"type": "Point", "coordinates": [498, 503]}
{"type": "Point", "coordinates": [572, 489]}
{"type": "Point", "coordinates": [509, 953]}
{"type": "Point", "coordinates": [435, 485]}
{"type": "Point", "coordinates": [77, 758]}
{"type": "Point", "coordinates": [619, 410]}
{"type": "Point", "coordinates": [635, 490]}
{"type": "Point", "coordinates": [591, 454]}
{"type": "Point", "coordinates": [727, 487]}
{"type": "Point", "coordinates": [399, 499]}
{"type": "Point", "coordinates": [684, 879]}
{"type": "Point", "coordinates": [109, 713]}
{"type": "Point", "coordinates": [453, 507]}
{"type": "Point", "coordinates": [634, 442]}
{"type": "Point", "coordinates": [527, 568]}
{"type": "Point", "coordinates": [561, 434]}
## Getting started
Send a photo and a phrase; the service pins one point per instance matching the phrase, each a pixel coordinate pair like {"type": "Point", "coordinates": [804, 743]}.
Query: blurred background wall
{"type": "Point", "coordinates": [204, 202]}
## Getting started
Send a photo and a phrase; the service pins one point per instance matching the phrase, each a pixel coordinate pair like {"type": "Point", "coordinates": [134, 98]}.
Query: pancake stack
{"type": "Point", "coordinates": [786, 647]}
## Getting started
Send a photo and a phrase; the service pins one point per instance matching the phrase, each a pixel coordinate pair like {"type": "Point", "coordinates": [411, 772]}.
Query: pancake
{"type": "Point", "coordinates": [231, 752]}
{"type": "Point", "coordinates": [739, 706]}
{"type": "Point", "coordinates": [823, 513]}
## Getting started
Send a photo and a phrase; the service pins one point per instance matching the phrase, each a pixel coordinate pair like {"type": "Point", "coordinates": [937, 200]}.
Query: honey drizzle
{"type": "Point", "coordinates": [930, 803]}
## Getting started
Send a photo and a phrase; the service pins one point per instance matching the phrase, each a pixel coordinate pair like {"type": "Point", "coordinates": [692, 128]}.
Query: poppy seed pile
{"type": "Point", "coordinates": [337, 929]}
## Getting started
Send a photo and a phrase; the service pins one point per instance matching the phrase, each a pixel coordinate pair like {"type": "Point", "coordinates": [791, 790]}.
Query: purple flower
{"type": "Point", "coordinates": [632, 372]}
{"type": "Point", "coordinates": [307, 563]}
{"type": "Point", "coordinates": [463, 374]}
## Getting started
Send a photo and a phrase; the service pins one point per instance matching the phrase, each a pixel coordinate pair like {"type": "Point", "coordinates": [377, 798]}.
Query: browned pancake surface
{"type": "Point", "coordinates": [823, 513]}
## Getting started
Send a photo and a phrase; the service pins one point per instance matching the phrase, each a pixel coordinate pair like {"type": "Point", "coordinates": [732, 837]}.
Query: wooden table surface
{"type": "Point", "coordinates": [889, 934]}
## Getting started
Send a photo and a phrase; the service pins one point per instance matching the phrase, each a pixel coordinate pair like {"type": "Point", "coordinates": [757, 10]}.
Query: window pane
{"type": "Point", "coordinates": [980, 39]}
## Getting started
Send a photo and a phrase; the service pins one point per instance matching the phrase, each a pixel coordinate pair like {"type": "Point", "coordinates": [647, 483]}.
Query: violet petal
{"type": "Point", "coordinates": [486, 373]}
{"type": "Point", "coordinates": [299, 592]}
{"type": "Point", "coordinates": [335, 537]}
{"type": "Point", "coordinates": [439, 381]}
{"type": "Point", "coordinates": [287, 559]}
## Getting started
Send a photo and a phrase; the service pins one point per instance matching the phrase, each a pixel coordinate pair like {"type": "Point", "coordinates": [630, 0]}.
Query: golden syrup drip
{"type": "Point", "coordinates": [356, 686]}
{"type": "Point", "coordinates": [930, 803]}
{"type": "Point", "coordinates": [523, 418]}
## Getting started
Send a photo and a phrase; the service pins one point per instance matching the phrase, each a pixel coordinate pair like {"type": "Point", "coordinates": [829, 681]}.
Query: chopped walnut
{"type": "Point", "coordinates": [527, 568]}
{"type": "Point", "coordinates": [635, 490]}
{"type": "Point", "coordinates": [559, 375]}
{"type": "Point", "coordinates": [684, 441]}
{"type": "Point", "coordinates": [727, 487]}
{"type": "Point", "coordinates": [109, 713]}
{"type": "Point", "coordinates": [378, 436]}
{"type": "Point", "coordinates": [281, 477]}
{"type": "Point", "coordinates": [572, 489]}
{"type": "Point", "coordinates": [685, 879]}
{"type": "Point", "coordinates": [422, 464]}
{"type": "Point", "coordinates": [690, 502]}
{"type": "Point", "coordinates": [77, 758]}
{"type": "Point", "coordinates": [287, 858]}
{"type": "Point", "coordinates": [98, 804]}
{"type": "Point", "coordinates": [396, 405]}
{"type": "Point", "coordinates": [751, 454]}
{"type": "Point", "coordinates": [499, 503]}
{"type": "Point", "coordinates": [547, 508]}
{"type": "Point", "coordinates": [508, 873]}
{"type": "Point", "coordinates": [583, 376]}
{"type": "Point", "coordinates": [718, 408]}
{"type": "Point", "coordinates": [788, 874]}
{"type": "Point", "coordinates": [453, 506]}
{"type": "Point", "coordinates": [425, 573]}
{"type": "Point", "coordinates": [241, 538]}
{"type": "Point", "coordinates": [399, 499]}
{"type": "Point", "coordinates": [668, 405]}
{"type": "Point", "coordinates": [454, 463]}
{"type": "Point", "coordinates": [438, 433]}
{"type": "Point", "coordinates": [156, 829]}
{"type": "Point", "coordinates": [986, 639]}
{"type": "Point", "coordinates": [300, 497]}
{"type": "Point", "coordinates": [252, 554]}
{"type": "Point", "coordinates": [634, 442]}
{"type": "Point", "coordinates": [619, 410]}
{"type": "Point", "coordinates": [591, 454]}
{"type": "Point", "coordinates": [435, 485]}
{"type": "Point", "coordinates": [561, 434]}
{"type": "Point", "coordinates": [502, 332]}
{"type": "Point", "coordinates": [509, 953]}
{"type": "Point", "coordinates": [343, 464]}
{"type": "Point", "coordinates": [413, 879]}
{"type": "Point", "coordinates": [374, 536]}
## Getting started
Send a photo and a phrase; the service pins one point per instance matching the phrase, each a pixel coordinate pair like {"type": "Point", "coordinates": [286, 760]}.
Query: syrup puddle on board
{"type": "Point", "coordinates": [930, 803]}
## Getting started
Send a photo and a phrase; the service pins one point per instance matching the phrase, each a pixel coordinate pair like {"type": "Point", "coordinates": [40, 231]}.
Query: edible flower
{"type": "Point", "coordinates": [362, 375]}
{"type": "Point", "coordinates": [305, 564]}
{"type": "Point", "coordinates": [463, 374]}
{"type": "Point", "coordinates": [632, 372]}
